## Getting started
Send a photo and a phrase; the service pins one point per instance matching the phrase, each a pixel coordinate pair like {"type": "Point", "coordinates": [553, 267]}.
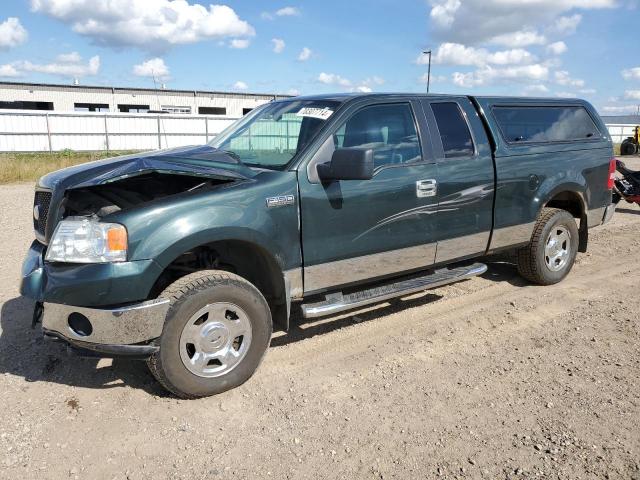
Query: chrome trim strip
{"type": "Point", "coordinates": [350, 270]}
{"type": "Point", "coordinates": [293, 281]}
{"type": "Point", "coordinates": [117, 326]}
{"type": "Point", "coordinates": [458, 247]}
{"type": "Point", "coordinates": [512, 236]}
{"type": "Point", "coordinates": [336, 303]}
{"type": "Point", "coordinates": [595, 216]}
{"type": "Point", "coordinates": [608, 213]}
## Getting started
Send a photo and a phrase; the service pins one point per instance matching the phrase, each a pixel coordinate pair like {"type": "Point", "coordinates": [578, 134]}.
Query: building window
{"type": "Point", "coordinates": [174, 109]}
{"type": "Point", "coordinates": [133, 108]}
{"type": "Point", "coordinates": [212, 110]}
{"type": "Point", "coordinates": [91, 107]}
{"type": "Point", "coordinates": [246, 110]}
{"type": "Point", "coordinates": [19, 105]}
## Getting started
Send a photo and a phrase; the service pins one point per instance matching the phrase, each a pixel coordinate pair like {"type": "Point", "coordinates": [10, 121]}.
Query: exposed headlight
{"type": "Point", "coordinates": [88, 241]}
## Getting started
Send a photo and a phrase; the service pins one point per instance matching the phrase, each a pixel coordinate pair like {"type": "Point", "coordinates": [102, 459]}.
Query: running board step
{"type": "Point", "coordinates": [337, 302]}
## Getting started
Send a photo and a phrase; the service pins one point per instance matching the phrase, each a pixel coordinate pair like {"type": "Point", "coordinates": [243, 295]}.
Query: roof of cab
{"type": "Point", "coordinates": [483, 99]}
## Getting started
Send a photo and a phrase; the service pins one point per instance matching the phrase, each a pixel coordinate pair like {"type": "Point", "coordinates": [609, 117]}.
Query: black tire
{"type": "Point", "coordinates": [188, 295]}
{"type": "Point", "coordinates": [532, 263]}
{"type": "Point", "coordinates": [627, 147]}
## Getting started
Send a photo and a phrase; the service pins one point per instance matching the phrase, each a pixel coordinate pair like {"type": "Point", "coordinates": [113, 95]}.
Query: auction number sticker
{"type": "Point", "coordinates": [315, 112]}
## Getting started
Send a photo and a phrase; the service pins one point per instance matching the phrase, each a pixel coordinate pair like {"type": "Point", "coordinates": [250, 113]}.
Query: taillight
{"type": "Point", "coordinates": [612, 173]}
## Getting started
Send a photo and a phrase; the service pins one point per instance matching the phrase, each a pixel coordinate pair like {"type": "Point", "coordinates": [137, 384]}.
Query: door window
{"type": "Point", "coordinates": [389, 130]}
{"type": "Point", "coordinates": [454, 131]}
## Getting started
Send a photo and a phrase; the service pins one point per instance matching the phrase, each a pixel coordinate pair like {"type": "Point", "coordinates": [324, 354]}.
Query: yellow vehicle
{"type": "Point", "coordinates": [631, 145]}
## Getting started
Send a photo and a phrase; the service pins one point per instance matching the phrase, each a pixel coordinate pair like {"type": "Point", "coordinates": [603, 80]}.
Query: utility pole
{"type": "Point", "coordinates": [428, 52]}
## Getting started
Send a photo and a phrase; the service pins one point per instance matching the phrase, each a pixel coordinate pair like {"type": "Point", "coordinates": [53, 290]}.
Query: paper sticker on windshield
{"type": "Point", "coordinates": [315, 112]}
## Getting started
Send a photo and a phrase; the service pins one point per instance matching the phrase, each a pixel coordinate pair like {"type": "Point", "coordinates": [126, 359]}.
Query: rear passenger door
{"type": "Point", "coordinates": [465, 178]}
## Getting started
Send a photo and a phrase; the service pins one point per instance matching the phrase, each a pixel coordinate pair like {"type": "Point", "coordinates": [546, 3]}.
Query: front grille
{"type": "Point", "coordinates": [41, 203]}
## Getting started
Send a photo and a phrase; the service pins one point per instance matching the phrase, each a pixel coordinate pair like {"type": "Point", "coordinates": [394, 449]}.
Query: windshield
{"type": "Point", "coordinates": [271, 135]}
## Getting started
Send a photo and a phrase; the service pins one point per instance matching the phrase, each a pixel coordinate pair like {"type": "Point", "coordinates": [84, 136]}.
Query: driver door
{"type": "Point", "coordinates": [357, 230]}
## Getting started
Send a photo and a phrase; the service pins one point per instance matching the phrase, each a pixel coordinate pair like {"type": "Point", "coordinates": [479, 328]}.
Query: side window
{"type": "Point", "coordinates": [545, 124]}
{"type": "Point", "coordinates": [389, 130]}
{"type": "Point", "coordinates": [454, 131]}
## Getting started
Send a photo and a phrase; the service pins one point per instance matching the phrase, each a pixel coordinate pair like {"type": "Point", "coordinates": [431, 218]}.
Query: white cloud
{"type": "Point", "coordinates": [566, 25]}
{"type": "Point", "coordinates": [619, 109]}
{"type": "Point", "coordinates": [562, 77]}
{"type": "Point", "coordinates": [488, 75]}
{"type": "Point", "coordinates": [305, 54]}
{"type": "Point", "coordinates": [333, 79]}
{"type": "Point", "coordinates": [536, 88]}
{"type": "Point", "coordinates": [557, 48]}
{"type": "Point", "coordinates": [154, 67]}
{"type": "Point", "coordinates": [9, 71]}
{"type": "Point", "coordinates": [434, 79]}
{"type": "Point", "coordinates": [566, 95]}
{"type": "Point", "coordinates": [587, 91]}
{"type": "Point", "coordinates": [521, 38]}
{"type": "Point", "coordinates": [632, 94]}
{"type": "Point", "coordinates": [12, 33]}
{"type": "Point", "coordinates": [443, 13]}
{"type": "Point", "coordinates": [72, 66]}
{"type": "Point", "coordinates": [149, 24]}
{"type": "Point", "coordinates": [519, 22]}
{"type": "Point", "coordinates": [282, 12]}
{"type": "Point", "coordinates": [294, 92]}
{"type": "Point", "coordinates": [71, 57]}
{"type": "Point", "coordinates": [365, 86]}
{"type": "Point", "coordinates": [631, 73]}
{"type": "Point", "coordinates": [278, 45]}
{"type": "Point", "coordinates": [239, 43]}
{"type": "Point", "coordinates": [458, 54]}
{"type": "Point", "coordinates": [240, 85]}
{"type": "Point", "coordinates": [288, 12]}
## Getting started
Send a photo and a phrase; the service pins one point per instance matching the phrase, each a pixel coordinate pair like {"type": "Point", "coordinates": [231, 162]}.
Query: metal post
{"type": "Point", "coordinates": [206, 129]}
{"type": "Point", "coordinates": [159, 135]}
{"type": "Point", "coordinates": [428, 52]}
{"type": "Point", "coordinates": [106, 134]}
{"type": "Point", "coordinates": [49, 133]}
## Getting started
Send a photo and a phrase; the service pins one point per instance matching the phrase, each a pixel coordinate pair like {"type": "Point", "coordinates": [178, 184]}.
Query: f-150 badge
{"type": "Point", "coordinates": [280, 201]}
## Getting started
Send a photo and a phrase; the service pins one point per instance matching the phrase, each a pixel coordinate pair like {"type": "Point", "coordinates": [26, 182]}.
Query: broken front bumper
{"type": "Point", "coordinates": [133, 324]}
{"type": "Point", "coordinates": [125, 329]}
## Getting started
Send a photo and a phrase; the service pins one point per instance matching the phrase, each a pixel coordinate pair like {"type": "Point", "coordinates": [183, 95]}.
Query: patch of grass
{"type": "Point", "coordinates": [29, 167]}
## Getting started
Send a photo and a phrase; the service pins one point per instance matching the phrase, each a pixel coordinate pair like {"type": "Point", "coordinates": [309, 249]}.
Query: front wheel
{"type": "Point", "coordinates": [552, 250]}
{"type": "Point", "coordinates": [215, 335]}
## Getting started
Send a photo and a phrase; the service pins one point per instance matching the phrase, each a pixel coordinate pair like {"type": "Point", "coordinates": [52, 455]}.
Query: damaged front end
{"type": "Point", "coordinates": [107, 186]}
{"type": "Point", "coordinates": [88, 291]}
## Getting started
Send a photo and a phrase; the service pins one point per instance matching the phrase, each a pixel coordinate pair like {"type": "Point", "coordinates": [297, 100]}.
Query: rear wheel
{"type": "Point", "coordinates": [552, 251]}
{"type": "Point", "coordinates": [216, 332]}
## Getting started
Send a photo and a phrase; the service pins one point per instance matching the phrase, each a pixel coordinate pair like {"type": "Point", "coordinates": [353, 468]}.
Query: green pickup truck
{"type": "Point", "coordinates": [189, 257]}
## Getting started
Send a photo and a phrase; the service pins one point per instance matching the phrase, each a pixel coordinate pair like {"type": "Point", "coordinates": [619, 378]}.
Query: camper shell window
{"type": "Point", "coordinates": [545, 124]}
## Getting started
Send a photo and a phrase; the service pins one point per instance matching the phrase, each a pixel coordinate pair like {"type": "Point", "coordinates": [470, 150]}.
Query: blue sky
{"type": "Point", "coordinates": [584, 48]}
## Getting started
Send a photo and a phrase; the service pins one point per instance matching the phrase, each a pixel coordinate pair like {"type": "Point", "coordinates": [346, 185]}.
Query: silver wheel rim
{"type": "Point", "coordinates": [215, 339]}
{"type": "Point", "coordinates": [557, 250]}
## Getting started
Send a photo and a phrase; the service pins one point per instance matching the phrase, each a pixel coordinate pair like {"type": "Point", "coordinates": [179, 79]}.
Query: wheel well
{"type": "Point", "coordinates": [245, 259]}
{"type": "Point", "coordinates": [572, 203]}
{"type": "Point", "coordinates": [569, 201]}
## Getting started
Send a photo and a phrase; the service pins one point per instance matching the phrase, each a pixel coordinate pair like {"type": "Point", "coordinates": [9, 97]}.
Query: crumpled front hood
{"type": "Point", "coordinates": [201, 160]}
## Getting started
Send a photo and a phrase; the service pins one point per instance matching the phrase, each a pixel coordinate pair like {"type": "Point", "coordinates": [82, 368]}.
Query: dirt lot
{"type": "Point", "coordinates": [490, 378]}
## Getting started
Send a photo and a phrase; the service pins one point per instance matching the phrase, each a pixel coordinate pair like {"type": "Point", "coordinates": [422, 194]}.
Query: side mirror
{"type": "Point", "coordinates": [348, 164]}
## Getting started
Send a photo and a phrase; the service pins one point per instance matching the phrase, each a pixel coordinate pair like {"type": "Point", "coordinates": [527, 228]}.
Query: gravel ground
{"type": "Point", "coordinates": [489, 378]}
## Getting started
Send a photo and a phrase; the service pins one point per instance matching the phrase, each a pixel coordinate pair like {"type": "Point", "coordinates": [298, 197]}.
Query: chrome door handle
{"type": "Point", "coordinates": [426, 188]}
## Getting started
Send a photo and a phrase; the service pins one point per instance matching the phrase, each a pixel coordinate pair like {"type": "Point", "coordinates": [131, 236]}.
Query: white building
{"type": "Point", "coordinates": [38, 117]}
{"type": "Point", "coordinates": [69, 98]}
